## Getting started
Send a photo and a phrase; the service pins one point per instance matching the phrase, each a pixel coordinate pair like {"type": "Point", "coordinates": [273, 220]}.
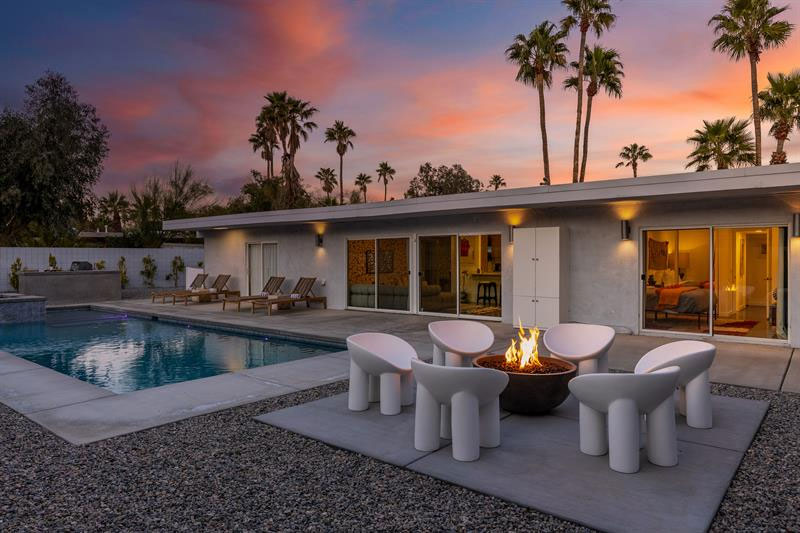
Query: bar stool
{"type": "Point", "coordinates": [487, 293]}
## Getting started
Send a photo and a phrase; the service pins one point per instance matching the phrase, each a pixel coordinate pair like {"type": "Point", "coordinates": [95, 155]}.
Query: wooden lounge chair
{"type": "Point", "coordinates": [206, 295]}
{"type": "Point", "coordinates": [271, 290]}
{"type": "Point", "coordinates": [197, 283]}
{"type": "Point", "coordinates": [303, 292]}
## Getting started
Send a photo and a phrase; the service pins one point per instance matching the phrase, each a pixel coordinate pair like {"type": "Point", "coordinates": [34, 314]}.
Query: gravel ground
{"type": "Point", "coordinates": [225, 471]}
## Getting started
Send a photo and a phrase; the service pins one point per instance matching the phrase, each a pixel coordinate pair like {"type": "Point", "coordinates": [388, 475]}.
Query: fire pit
{"type": "Point", "coordinates": [536, 384]}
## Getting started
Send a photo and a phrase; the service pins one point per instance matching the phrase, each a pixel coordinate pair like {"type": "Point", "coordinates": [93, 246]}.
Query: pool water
{"type": "Point", "coordinates": [124, 354]}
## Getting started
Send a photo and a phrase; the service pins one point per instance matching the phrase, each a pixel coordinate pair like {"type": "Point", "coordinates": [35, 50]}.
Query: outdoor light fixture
{"type": "Point", "coordinates": [319, 240]}
{"type": "Point", "coordinates": [625, 230]}
{"type": "Point", "coordinates": [511, 234]}
{"type": "Point", "coordinates": [796, 225]}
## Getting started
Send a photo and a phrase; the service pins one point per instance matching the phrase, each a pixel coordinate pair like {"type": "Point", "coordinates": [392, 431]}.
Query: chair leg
{"type": "Point", "coordinates": [587, 366]}
{"type": "Point", "coordinates": [438, 356]}
{"type": "Point", "coordinates": [358, 393]}
{"type": "Point", "coordinates": [426, 421]}
{"type": "Point", "coordinates": [374, 389]}
{"type": "Point", "coordinates": [623, 436]}
{"type": "Point", "coordinates": [602, 363]}
{"type": "Point", "coordinates": [593, 433]}
{"type": "Point", "coordinates": [662, 439]}
{"type": "Point", "coordinates": [466, 427]}
{"type": "Point", "coordinates": [489, 415]}
{"type": "Point", "coordinates": [698, 402]}
{"type": "Point", "coordinates": [391, 392]}
{"type": "Point", "coordinates": [407, 386]}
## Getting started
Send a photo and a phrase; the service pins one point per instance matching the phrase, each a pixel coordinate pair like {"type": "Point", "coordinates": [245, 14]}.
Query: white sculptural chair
{"type": "Point", "coordinates": [586, 345]}
{"type": "Point", "coordinates": [694, 358]}
{"type": "Point", "coordinates": [611, 406]}
{"type": "Point", "coordinates": [474, 397]}
{"type": "Point", "coordinates": [380, 368]}
{"type": "Point", "coordinates": [457, 343]}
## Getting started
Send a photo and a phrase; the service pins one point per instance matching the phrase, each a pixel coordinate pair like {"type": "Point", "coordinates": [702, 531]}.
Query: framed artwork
{"type": "Point", "coordinates": [385, 261]}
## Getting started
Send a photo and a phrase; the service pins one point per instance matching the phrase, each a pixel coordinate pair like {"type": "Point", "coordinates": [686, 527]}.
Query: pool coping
{"type": "Point", "coordinates": [81, 413]}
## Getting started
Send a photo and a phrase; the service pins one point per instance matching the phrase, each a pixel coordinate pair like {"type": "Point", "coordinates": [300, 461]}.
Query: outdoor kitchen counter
{"type": "Point", "coordinates": [66, 287]}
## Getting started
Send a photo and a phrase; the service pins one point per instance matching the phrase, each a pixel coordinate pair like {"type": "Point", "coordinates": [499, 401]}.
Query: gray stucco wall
{"type": "Point", "coordinates": [605, 285]}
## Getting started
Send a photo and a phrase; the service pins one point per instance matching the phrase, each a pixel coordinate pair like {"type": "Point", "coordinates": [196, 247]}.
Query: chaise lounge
{"type": "Point", "coordinates": [206, 295]}
{"type": "Point", "coordinates": [197, 283]}
{"type": "Point", "coordinates": [271, 290]}
{"type": "Point", "coordinates": [303, 292]}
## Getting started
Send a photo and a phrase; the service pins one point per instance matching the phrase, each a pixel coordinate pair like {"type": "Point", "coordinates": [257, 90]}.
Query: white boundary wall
{"type": "Point", "coordinates": [36, 258]}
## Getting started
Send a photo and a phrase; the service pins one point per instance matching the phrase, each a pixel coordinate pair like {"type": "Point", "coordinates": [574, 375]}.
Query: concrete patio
{"type": "Point", "coordinates": [536, 450]}
{"type": "Point", "coordinates": [743, 364]}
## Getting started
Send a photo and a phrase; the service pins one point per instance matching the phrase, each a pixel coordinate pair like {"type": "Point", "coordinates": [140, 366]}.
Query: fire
{"type": "Point", "coordinates": [524, 353]}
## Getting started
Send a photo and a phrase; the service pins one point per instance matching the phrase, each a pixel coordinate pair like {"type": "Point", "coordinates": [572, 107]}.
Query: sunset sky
{"type": "Point", "coordinates": [418, 81]}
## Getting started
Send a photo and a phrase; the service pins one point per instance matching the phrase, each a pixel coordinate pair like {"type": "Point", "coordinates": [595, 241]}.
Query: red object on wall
{"type": "Point", "coordinates": [464, 247]}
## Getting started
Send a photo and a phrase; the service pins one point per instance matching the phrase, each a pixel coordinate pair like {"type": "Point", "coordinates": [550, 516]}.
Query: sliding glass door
{"type": "Point", "coordinates": [378, 274]}
{"type": "Point", "coordinates": [262, 263]}
{"type": "Point", "coordinates": [721, 281]}
{"type": "Point", "coordinates": [460, 275]}
{"type": "Point", "coordinates": [751, 282]}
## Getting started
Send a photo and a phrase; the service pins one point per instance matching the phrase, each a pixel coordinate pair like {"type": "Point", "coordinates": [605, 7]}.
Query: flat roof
{"type": "Point", "coordinates": [741, 182]}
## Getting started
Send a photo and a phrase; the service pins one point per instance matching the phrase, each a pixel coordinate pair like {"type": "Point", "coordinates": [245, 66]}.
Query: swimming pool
{"type": "Point", "coordinates": [124, 354]}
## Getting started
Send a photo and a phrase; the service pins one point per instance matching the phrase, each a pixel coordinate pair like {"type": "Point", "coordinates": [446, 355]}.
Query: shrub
{"type": "Point", "coordinates": [123, 272]}
{"type": "Point", "coordinates": [148, 272]}
{"type": "Point", "coordinates": [13, 277]}
{"type": "Point", "coordinates": [176, 268]}
{"type": "Point", "coordinates": [51, 261]}
{"type": "Point", "coordinates": [100, 265]}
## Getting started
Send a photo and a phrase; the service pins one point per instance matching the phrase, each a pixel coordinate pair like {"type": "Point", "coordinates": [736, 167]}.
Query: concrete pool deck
{"type": "Point", "coordinates": [82, 413]}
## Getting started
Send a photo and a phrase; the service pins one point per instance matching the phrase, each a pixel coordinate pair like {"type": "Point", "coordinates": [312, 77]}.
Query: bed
{"type": "Point", "coordinates": [686, 299]}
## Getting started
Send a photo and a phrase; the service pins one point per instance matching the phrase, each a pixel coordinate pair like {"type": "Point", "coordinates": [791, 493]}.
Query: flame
{"type": "Point", "coordinates": [524, 353]}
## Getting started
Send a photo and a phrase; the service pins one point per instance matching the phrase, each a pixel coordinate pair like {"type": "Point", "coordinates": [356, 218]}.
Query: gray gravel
{"type": "Point", "coordinates": [225, 471]}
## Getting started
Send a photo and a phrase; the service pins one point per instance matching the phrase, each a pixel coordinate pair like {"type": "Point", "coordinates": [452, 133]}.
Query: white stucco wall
{"type": "Point", "coordinates": [605, 271]}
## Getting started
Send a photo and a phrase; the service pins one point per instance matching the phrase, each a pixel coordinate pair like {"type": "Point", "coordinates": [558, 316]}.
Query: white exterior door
{"type": "Point", "coordinates": [524, 261]}
{"type": "Point", "coordinates": [547, 311]}
{"type": "Point", "coordinates": [524, 311]}
{"type": "Point", "coordinates": [547, 259]}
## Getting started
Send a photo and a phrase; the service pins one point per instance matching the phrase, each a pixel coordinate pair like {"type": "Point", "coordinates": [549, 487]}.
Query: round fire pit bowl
{"type": "Point", "coordinates": [530, 393]}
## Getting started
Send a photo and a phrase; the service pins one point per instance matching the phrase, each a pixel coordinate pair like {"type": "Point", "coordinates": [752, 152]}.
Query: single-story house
{"type": "Point", "coordinates": [694, 254]}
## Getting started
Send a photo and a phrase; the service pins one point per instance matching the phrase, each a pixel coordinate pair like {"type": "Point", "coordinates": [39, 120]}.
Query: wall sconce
{"type": "Point", "coordinates": [319, 240]}
{"type": "Point", "coordinates": [511, 234]}
{"type": "Point", "coordinates": [796, 225]}
{"type": "Point", "coordinates": [625, 230]}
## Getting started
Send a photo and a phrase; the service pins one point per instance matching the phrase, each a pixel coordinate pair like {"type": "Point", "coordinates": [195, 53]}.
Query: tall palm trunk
{"type": "Point", "coordinates": [754, 97]}
{"type": "Point", "coordinates": [634, 165]}
{"type": "Point", "coordinates": [385, 189]}
{"type": "Point", "coordinates": [581, 60]}
{"type": "Point", "coordinates": [589, 98]}
{"type": "Point", "coordinates": [781, 134]}
{"type": "Point", "coordinates": [542, 125]}
{"type": "Point", "coordinates": [341, 179]}
{"type": "Point", "coordinates": [365, 194]}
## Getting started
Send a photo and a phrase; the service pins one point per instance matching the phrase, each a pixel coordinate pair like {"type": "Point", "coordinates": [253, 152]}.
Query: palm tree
{"type": "Point", "coordinates": [585, 14]}
{"type": "Point", "coordinates": [327, 177]}
{"type": "Point", "coordinates": [631, 155]}
{"type": "Point", "coordinates": [342, 135]}
{"type": "Point", "coordinates": [362, 180]}
{"type": "Point", "coordinates": [497, 181]}
{"type": "Point", "coordinates": [291, 119]}
{"type": "Point", "coordinates": [724, 142]}
{"type": "Point", "coordinates": [537, 55]}
{"type": "Point", "coordinates": [604, 70]}
{"type": "Point", "coordinates": [114, 207]}
{"type": "Point", "coordinates": [265, 139]}
{"type": "Point", "coordinates": [747, 28]}
{"type": "Point", "coordinates": [385, 174]}
{"type": "Point", "coordinates": [780, 104]}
